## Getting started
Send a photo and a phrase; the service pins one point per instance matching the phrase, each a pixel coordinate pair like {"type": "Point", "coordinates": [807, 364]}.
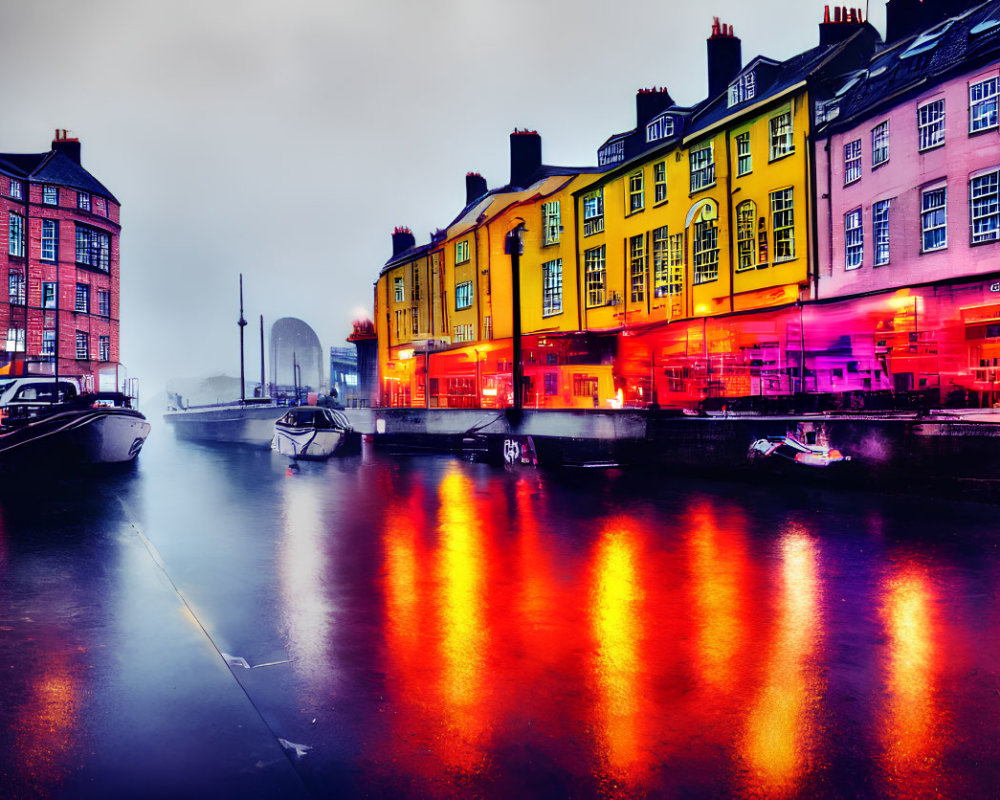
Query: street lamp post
{"type": "Point", "coordinates": [514, 247]}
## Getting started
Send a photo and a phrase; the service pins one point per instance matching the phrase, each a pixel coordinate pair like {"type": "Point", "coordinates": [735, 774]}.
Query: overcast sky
{"type": "Point", "coordinates": [286, 140]}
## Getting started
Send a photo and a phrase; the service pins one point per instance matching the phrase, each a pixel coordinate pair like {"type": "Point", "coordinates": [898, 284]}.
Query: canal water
{"type": "Point", "coordinates": [214, 623]}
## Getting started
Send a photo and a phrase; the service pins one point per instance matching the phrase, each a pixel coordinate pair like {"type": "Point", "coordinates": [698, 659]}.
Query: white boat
{"type": "Point", "coordinates": [310, 432]}
{"type": "Point", "coordinates": [248, 422]}
{"type": "Point", "coordinates": [51, 423]}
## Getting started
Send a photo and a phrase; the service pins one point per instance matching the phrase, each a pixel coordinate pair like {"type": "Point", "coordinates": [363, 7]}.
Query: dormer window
{"type": "Point", "coordinates": [742, 89]}
{"type": "Point", "coordinates": [611, 153]}
{"type": "Point", "coordinates": [660, 128]}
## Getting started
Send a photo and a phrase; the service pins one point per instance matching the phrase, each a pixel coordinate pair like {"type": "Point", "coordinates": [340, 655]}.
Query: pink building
{"type": "Point", "coordinates": [908, 163]}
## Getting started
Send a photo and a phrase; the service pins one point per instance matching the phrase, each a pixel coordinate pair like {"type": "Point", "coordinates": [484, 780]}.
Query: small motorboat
{"type": "Point", "coordinates": [789, 449]}
{"type": "Point", "coordinates": [312, 432]}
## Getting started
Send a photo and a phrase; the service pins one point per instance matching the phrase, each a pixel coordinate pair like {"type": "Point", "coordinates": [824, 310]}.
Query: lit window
{"type": "Point", "coordinates": [462, 251]}
{"type": "Point", "coordinates": [983, 105]}
{"type": "Point", "coordinates": [853, 239]}
{"type": "Point", "coordinates": [984, 202]}
{"type": "Point", "coordinates": [551, 222]}
{"type": "Point", "coordinates": [82, 298]}
{"type": "Point", "coordinates": [399, 289]}
{"type": "Point", "coordinates": [15, 340]}
{"type": "Point", "coordinates": [852, 161]}
{"type": "Point", "coordinates": [104, 348]}
{"type": "Point", "coordinates": [16, 237]}
{"type": "Point", "coordinates": [880, 232]}
{"type": "Point", "coordinates": [16, 287]}
{"type": "Point", "coordinates": [880, 143]}
{"type": "Point", "coordinates": [50, 234]}
{"type": "Point", "coordinates": [744, 163]}
{"type": "Point", "coordinates": [82, 345]}
{"type": "Point", "coordinates": [934, 219]}
{"type": "Point", "coordinates": [746, 236]}
{"type": "Point", "coordinates": [593, 212]}
{"type": "Point", "coordinates": [636, 198]}
{"type": "Point", "coordinates": [594, 269]}
{"type": "Point", "coordinates": [702, 165]}
{"type": "Point", "coordinates": [637, 267]}
{"type": "Point", "coordinates": [552, 287]}
{"type": "Point", "coordinates": [83, 201]}
{"type": "Point", "coordinates": [659, 181]}
{"type": "Point", "coordinates": [930, 124]}
{"type": "Point", "coordinates": [782, 142]}
{"type": "Point", "coordinates": [661, 262]}
{"type": "Point", "coordinates": [463, 295]}
{"type": "Point", "coordinates": [50, 195]}
{"type": "Point", "coordinates": [705, 251]}
{"type": "Point", "coordinates": [783, 225]}
{"type": "Point", "coordinates": [464, 333]}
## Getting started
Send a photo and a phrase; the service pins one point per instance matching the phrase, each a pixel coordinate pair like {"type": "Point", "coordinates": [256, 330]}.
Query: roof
{"type": "Point", "coordinates": [52, 167]}
{"type": "Point", "coordinates": [773, 78]}
{"type": "Point", "coordinates": [955, 45]}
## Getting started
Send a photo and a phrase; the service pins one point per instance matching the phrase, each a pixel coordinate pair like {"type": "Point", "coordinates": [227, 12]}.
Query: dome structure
{"type": "Point", "coordinates": [292, 341]}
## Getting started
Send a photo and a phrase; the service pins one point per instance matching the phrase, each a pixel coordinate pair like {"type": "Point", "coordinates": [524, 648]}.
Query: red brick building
{"type": "Point", "coordinates": [59, 231]}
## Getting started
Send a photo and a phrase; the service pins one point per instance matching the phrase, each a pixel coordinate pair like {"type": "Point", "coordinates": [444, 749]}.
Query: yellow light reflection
{"type": "Point", "coordinates": [911, 735]}
{"type": "Point", "coordinates": [617, 624]}
{"type": "Point", "coordinates": [464, 634]}
{"type": "Point", "coordinates": [780, 738]}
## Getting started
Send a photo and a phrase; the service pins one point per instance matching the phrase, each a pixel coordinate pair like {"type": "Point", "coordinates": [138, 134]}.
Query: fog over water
{"type": "Point", "coordinates": [285, 141]}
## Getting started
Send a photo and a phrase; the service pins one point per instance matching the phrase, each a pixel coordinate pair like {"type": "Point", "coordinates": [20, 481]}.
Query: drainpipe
{"type": "Point", "coordinates": [729, 222]}
{"type": "Point", "coordinates": [513, 246]}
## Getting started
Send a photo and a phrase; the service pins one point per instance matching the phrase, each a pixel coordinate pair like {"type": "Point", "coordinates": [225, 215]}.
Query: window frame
{"type": "Point", "coordinates": [49, 247]}
{"type": "Point", "coordinates": [103, 347]}
{"type": "Point", "coordinates": [462, 251]}
{"type": "Point", "coordinates": [993, 205]}
{"type": "Point", "coordinates": [746, 236]}
{"type": "Point", "coordinates": [985, 101]}
{"type": "Point", "coordinates": [637, 268]}
{"type": "Point", "coordinates": [50, 195]}
{"type": "Point", "coordinates": [702, 171]}
{"type": "Point", "coordinates": [81, 301]}
{"type": "Point", "coordinates": [852, 162]}
{"type": "Point", "coordinates": [786, 229]}
{"type": "Point", "coordinates": [880, 144]}
{"type": "Point", "coordinates": [744, 158]}
{"type": "Point", "coordinates": [705, 245]}
{"type": "Point", "coordinates": [595, 276]}
{"type": "Point", "coordinates": [464, 295]}
{"type": "Point", "coordinates": [83, 201]}
{"type": "Point", "coordinates": [925, 211]}
{"type": "Point", "coordinates": [49, 293]}
{"type": "Point", "coordinates": [854, 239]}
{"type": "Point", "coordinates": [659, 182]}
{"type": "Point", "coordinates": [399, 289]}
{"type": "Point", "coordinates": [781, 138]}
{"type": "Point", "coordinates": [104, 303]}
{"type": "Point", "coordinates": [593, 212]}
{"type": "Point", "coordinates": [931, 131]}
{"type": "Point", "coordinates": [636, 192]}
{"type": "Point", "coordinates": [16, 287]}
{"type": "Point", "coordinates": [15, 236]}
{"type": "Point", "coordinates": [881, 239]}
{"type": "Point", "coordinates": [552, 286]}
{"type": "Point", "coordinates": [551, 223]}
{"type": "Point", "coordinates": [82, 337]}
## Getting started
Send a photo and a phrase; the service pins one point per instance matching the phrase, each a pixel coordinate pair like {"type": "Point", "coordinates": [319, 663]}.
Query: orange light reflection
{"type": "Point", "coordinates": [780, 738]}
{"type": "Point", "coordinates": [911, 731]}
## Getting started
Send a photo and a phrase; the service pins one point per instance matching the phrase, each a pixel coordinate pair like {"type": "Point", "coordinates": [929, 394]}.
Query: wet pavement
{"type": "Point", "coordinates": [212, 623]}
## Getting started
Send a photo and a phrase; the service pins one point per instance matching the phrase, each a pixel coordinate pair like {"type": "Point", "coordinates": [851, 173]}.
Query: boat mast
{"type": "Point", "coordinates": [262, 356]}
{"type": "Point", "coordinates": [242, 323]}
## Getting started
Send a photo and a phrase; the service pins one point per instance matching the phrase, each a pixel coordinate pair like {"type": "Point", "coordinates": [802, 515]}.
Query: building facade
{"type": "Point", "coordinates": [61, 229]}
{"type": "Point", "coordinates": [796, 233]}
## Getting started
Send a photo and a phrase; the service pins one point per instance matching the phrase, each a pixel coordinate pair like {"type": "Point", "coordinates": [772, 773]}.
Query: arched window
{"type": "Point", "coordinates": [746, 236]}
{"type": "Point", "coordinates": [705, 241]}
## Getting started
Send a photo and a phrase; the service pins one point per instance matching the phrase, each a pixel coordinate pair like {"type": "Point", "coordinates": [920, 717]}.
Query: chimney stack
{"type": "Point", "coordinates": [649, 103]}
{"type": "Point", "coordinates": [525, 156]}
{"type": "Point", "coordinates": [725, 58]}
{"type": "Point", "coordinates": [402, 240]}
{"type": "Point", "coordinates": [845, 22]}
{"type": "Point", "coordinates": [68, 145]}
{"type": "Point", "coordinates": [475, 187]}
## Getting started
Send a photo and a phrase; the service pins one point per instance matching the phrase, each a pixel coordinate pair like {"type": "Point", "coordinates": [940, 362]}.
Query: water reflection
{"type": "Point", "coordinates": [912, 727]}
{"type": "Point", "coordinates": [781, 738]}
{"type": "Point", "coordinates": [618, 622]}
